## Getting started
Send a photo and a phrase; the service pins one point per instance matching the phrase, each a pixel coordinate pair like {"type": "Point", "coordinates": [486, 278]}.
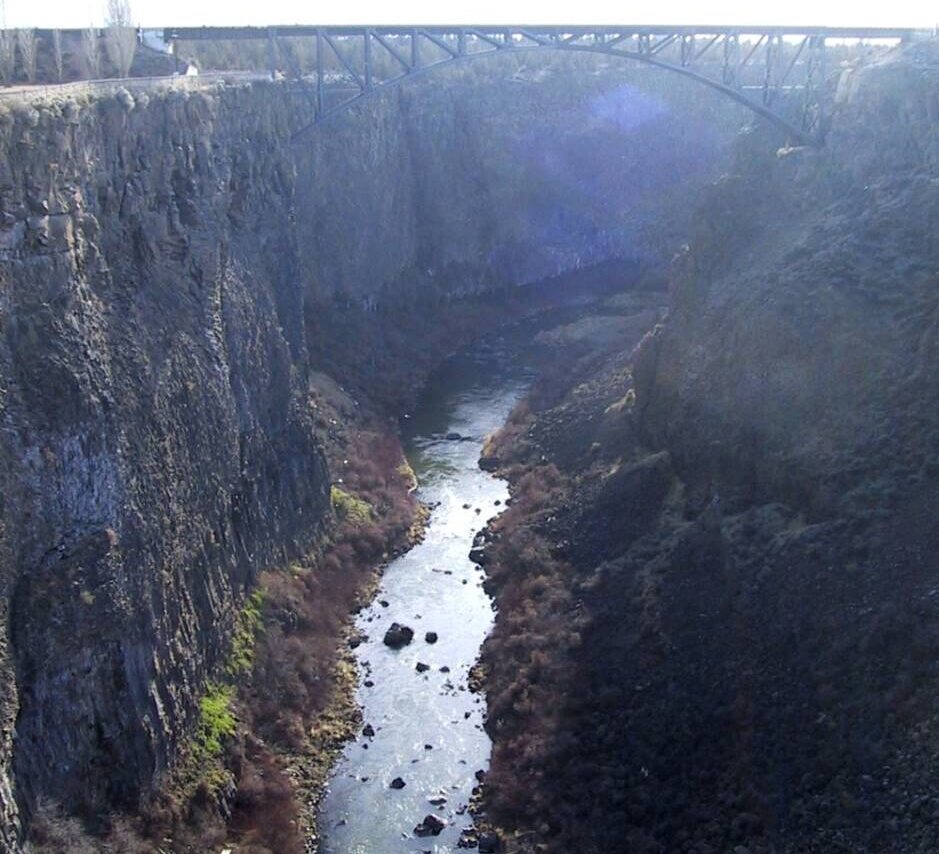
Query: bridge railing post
{"type": "Point", "coordinates": [415, 50]}
{"type": "Point", "coordinates": [272, 51]}
{"type": "Point", "coordinates": [813, 91]}
{"type": "Point", "coordinates": [768, 68]}
{"type": "Point", "coordinates": [320, 71]}
{"type": "Point", "coordinates": [731, 59]}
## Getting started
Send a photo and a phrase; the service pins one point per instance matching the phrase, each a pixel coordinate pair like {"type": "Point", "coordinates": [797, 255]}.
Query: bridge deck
{"type": "Point", "coordinates": [216, 33]}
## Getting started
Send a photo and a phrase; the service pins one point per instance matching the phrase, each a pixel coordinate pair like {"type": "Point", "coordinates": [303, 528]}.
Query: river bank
{"type": "Point", "coordinates": [422, 746]}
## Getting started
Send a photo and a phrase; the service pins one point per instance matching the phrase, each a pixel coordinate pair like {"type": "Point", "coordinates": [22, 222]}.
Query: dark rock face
{"type": "Point", "coordinates": [831, 282]}
{"type": "Point", "coordinates": [157, 451]}
{"type": "Point", "coordinates": [542, 165]}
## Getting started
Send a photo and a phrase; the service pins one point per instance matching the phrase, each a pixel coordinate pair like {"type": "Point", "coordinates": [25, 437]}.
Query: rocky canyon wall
{"type": "Point", "coordinates": [795, 360]}
{"type": "Point", "coordinates": [169, 264]}
{"type": "Point", "coordinates": [505, 172]}
{"type": "Point", "coordinates": [157, 447]}
{"type": "Point", "coordinates": [716, 582]}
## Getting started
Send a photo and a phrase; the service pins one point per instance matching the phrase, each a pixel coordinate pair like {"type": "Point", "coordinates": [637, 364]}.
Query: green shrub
{"type": "Point", "coordinates": [349, 508]}
{"type": "Point", "coordinates": [216, 719]}
{"type": "Point", "coordinates": [247, 629]}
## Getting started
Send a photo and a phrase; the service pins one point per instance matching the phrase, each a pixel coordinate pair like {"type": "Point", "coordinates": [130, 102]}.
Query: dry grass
{"type": "Point", "coordinates": [527, 659]}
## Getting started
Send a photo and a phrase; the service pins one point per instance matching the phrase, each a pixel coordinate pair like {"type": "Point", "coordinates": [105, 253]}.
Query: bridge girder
{"type": "Point", "coordinates": [752, 65]}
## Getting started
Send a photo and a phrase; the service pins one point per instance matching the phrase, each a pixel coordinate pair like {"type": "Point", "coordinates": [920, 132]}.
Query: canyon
{"type": "Point", "coordinates": [714, 579]}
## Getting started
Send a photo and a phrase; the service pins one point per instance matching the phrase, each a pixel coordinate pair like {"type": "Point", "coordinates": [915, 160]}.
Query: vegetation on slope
{"type": "Point", "coordinates": [742, 539]}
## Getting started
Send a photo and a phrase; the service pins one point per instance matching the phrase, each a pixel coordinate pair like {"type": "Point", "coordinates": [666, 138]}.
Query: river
{"type": "Point", "coordinates": [428, 726]}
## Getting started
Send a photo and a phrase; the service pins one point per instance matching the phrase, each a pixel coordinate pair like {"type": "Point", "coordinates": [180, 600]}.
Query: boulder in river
{"type": "Point", "coordinates": [430, 826]}
{"type": "Point", "coordinates": [431, 637]}
{"type": "Point", "coordinates": [397, 783]}
{"type": "Point", "coordinates": [398, 636]}
{"type": "Point", "coordinates": [489, 463]}
{"type": "Point", "coordinates": [421, 667]}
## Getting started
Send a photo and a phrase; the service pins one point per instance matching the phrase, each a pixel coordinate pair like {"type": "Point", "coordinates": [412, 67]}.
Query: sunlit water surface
{"type": "Point", "coordinates": [428, 726]}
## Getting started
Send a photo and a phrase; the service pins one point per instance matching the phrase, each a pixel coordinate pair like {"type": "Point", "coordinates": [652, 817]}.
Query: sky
{"type": "Point", "coordinates": [159, 13]}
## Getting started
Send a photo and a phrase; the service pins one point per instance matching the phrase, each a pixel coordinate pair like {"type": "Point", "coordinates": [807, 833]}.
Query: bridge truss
{"type": "Point", "coordinates": [778, 73]}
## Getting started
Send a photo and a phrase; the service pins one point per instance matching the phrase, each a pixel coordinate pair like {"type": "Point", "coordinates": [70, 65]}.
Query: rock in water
{"type": "Point", "coordinates": [397, 783]}
{"type": "Point", "coordinates": [398, 636]}
{"type": "Point", "coordinates": [431, 637]}
{"type": "Point", "coordinates": [430, 826]}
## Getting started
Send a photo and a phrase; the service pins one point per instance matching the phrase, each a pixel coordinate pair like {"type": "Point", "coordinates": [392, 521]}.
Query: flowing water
{"type": "Point", "coordinates": [428, 726]}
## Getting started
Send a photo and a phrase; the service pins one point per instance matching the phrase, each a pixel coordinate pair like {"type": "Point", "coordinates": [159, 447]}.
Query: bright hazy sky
{"type": "Point", "coordinates": [158, 13]}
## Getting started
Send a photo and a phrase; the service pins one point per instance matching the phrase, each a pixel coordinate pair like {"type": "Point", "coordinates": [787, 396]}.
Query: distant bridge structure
{"type": "Point", "coordinates": [780, 73]}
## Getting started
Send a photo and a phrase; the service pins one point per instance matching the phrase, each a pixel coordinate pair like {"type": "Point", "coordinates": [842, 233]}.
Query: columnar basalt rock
{"type": "Point", "coordinates": [158, 449]}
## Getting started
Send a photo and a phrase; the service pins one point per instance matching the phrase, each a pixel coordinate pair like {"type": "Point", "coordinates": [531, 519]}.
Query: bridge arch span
{"type": "Point", "coordinates": [777, 73]}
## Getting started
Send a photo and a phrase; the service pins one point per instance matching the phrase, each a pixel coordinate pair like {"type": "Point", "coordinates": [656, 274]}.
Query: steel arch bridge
{"type": "Point", "coordinates": [779, 73]}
